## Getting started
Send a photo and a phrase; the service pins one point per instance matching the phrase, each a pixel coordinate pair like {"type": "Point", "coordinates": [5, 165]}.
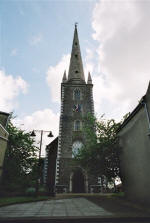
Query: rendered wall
{"type": "Point", "coordinates": [3, 146]}
{"type": "Point", "coordinates": [135, 158]}
{"type": "Point", "coordinates": [3, 138]}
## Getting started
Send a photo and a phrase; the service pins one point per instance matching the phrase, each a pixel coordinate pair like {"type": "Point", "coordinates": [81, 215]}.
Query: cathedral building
{"type": "Point", "coordinates": [76, 102]}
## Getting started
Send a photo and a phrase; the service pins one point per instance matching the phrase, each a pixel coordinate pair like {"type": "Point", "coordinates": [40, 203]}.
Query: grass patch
{"type": "Point", "coordinates": [15, 200]}
{"type": "Point", "coordinates": [119, 194]}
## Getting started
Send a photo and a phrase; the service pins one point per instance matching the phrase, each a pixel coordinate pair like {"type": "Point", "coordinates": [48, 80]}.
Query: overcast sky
{"type": "Point", "coordinates": [35, 46]}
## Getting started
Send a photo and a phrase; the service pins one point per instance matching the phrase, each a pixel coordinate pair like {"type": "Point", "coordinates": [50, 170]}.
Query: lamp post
{"type": "Point", "coordinates": [41, 139]}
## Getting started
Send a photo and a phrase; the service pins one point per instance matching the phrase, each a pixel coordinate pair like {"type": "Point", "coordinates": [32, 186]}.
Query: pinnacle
{"type": "Point", "coordinates": [89, 79]}
{"type": "Point", "coordinates": [64, 77]}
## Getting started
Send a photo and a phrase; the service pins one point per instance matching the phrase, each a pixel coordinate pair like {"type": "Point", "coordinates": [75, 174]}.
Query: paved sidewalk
{"type": "Point", "coordinates": [54, 208]}
{"type": "Point", "coordinates": [73, 208]}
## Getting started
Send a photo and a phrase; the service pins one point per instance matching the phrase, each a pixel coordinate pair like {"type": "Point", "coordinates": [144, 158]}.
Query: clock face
{"type": "Point", "coordinates": [75, 147]}
{"type": "Point", "coordinates": [77, 108]}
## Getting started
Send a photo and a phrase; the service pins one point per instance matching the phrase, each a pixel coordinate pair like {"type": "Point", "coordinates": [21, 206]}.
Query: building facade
{"type": "Point", "coordinates": [3, 138]}
{"type": "Point", "coordinates": [50, 166]}
{"type": "Point", "coordinates": [134, 139]}
{"type": "Point", "coordinates": [76, 102]}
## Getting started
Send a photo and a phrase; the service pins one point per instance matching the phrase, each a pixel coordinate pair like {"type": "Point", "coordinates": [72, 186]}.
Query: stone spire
{"type": "Point", "coordinates": [89, 79]}
{"type": "Point", "coordinates": [64, 77]}
{"type": "Point", "coordinates": [76, 72]}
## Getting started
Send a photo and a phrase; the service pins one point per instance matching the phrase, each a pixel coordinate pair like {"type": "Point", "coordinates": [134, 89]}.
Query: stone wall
{"type": "Point", "coordinates": [67, 135]}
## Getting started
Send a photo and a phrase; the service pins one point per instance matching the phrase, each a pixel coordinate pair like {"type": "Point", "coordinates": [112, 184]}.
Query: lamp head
{"type": "Point", "coordinates": [50, 134]}
{"type": "Point", "coordinates": [33, 134]}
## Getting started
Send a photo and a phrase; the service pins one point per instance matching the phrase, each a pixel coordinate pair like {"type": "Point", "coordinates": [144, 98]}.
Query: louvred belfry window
{"type": "Point", "coordinates": [77, 94]}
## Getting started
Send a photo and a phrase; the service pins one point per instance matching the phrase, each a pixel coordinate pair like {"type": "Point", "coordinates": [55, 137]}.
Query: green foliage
{"type": "Point", "coordinates": [30, 191]}
{"type": "Point", "coordinates": [20, 165]}
{"type": "Point", "coordinates": [17, 200]}
{"type": "Point", "coordinates": [100, 155]}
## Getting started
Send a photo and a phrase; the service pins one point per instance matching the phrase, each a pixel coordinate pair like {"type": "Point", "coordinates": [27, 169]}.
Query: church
{"type": "Point", "coordinates": [76, 102]}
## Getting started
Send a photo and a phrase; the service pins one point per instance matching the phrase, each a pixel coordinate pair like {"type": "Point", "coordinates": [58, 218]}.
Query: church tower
{"type": "Point", "coordinates": [76, 102]}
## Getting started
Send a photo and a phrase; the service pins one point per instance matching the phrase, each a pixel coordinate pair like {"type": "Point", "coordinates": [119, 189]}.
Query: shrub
{"type": "Point", "coordinates": [30, 191]}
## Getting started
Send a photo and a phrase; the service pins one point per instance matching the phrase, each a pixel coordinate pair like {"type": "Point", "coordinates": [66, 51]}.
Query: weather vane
{"type": "Point", "coordinates": [76, 23]}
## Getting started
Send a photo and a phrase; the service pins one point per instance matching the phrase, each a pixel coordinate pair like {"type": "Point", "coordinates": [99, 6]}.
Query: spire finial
{"type": "Point", "coordinates": [76, 23]}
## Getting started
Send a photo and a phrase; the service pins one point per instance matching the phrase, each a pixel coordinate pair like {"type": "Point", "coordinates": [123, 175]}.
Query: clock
{"type": "Point", "coordinates": [77, 108]}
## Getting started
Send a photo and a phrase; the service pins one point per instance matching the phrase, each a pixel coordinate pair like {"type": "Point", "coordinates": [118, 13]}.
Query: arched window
{"type": "Point", "coordinates": [77, 94]}
{"type": "Point", "coordinates": [77, 125]}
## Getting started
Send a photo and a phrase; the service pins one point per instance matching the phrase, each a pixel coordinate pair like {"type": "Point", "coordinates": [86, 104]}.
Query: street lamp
{"type": "Point", "coordinates": [33, 135]}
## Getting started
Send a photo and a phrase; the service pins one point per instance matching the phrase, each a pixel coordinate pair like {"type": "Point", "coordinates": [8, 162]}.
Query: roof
{"type": "Point", "coordinates": [4, 113]}
{"type": "Point", "coordinates": [133, 113]}
{"type": "Point", "coordinates": [4, 118]}
{"type": "Point", "coordinates": [137, 108]}
{"type": "Point", "coordinates": [52, 144]}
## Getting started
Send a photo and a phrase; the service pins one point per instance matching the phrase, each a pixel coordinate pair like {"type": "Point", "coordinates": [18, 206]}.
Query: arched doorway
{"type": "Point", "coordinates": [78, 182]}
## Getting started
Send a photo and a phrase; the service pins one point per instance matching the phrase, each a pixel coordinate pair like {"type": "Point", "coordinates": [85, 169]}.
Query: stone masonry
{"type": "Point", "coordinates": [76, 102]}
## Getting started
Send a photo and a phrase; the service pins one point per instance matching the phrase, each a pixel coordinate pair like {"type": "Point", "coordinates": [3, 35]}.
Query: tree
{"type": "Point", "coordinates": [20, 165]}
{"type": "Point", "coordinates": [100, 155]}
